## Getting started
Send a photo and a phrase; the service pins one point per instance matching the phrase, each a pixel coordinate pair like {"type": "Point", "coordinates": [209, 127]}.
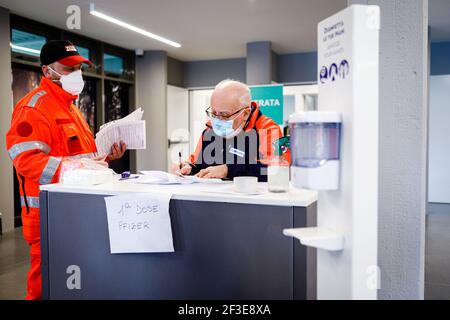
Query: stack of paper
{"type": "Point", "coordinates": [130, 130]}
{"type": "Point", "coordinates": [161, 177]}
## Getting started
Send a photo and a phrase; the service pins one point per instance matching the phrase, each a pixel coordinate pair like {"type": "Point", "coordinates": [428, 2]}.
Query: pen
{"type": "Point", "coordinates": [128, 178]}
{"type": "Point", "coordinates": [179, 174]}
{"type": "Point", "coordinates": [179, 159]}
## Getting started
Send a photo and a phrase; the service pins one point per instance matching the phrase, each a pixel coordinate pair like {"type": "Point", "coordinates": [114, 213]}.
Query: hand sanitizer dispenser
{"type": "Point", "coordinates": [315, 149]}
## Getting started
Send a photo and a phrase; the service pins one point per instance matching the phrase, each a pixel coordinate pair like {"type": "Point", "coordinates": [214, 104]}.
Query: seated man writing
{"type": "Point", "coordinates": [237, 140]}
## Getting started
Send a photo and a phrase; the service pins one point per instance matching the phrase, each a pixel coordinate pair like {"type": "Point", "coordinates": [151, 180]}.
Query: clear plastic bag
{"type": "Point", "coordinates": [83, 171]}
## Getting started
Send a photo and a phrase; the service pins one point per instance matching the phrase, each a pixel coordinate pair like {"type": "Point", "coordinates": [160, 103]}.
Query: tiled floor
{"type": "Point", "coordinates": [14, 265]}
{"type": "Point", "coordinates": [437, 252]}
{"type": "Point", "coordinates": [14, 258]}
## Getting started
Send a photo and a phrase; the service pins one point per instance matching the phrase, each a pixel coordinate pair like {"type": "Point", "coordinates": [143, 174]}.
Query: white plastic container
{"type": "Point", "coordinates": [315, 149]}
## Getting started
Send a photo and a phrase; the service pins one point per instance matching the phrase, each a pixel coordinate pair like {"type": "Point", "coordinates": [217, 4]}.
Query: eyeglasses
{"type": "Point", "coordinates": [210, 114]}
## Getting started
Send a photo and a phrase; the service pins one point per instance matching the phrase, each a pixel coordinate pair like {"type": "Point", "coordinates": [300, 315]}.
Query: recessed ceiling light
{"type": "Point", "coordinates": [131, 27]}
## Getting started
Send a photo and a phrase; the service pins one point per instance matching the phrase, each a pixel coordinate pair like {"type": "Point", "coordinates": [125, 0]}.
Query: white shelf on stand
{"type": "Point", "coordinates": [317, 237]}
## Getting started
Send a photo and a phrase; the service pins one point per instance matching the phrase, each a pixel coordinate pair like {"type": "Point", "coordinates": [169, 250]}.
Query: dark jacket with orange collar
{"type": "Point", "coordinates": [246, 154]}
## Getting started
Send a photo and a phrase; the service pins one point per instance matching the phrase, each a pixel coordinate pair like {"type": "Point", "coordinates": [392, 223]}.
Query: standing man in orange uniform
{"type": "Point", "coordinates": [46, 130]}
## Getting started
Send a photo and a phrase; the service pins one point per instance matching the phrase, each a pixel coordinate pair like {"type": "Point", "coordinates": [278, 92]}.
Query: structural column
{"type": "Point", "coordinates": [260, 63]}
{"type": "Point", "coordinates": [151, 96]}
{"type": "Point", "coordinates": [6, 167]}
{"type": "Point", "coordinates": [403, 146]}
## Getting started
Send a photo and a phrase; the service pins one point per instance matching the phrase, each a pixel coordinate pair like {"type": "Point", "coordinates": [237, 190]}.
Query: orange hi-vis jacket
{"type": "Point", "coordinates": [242, 156]}
{"type": "Point", "coordinates": [46, 127]}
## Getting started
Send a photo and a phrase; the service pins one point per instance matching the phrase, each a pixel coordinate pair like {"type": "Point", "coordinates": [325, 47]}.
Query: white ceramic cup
{"type": "Point", "coordinates": [245, 184]}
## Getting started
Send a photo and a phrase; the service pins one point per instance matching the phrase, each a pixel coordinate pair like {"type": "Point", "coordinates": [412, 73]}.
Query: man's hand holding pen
{"type": "Point", "coordinates": [183, 168]}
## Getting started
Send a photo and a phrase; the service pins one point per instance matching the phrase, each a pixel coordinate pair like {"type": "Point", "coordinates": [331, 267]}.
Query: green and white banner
{"type": "Point", "coordinates": [270, 101]}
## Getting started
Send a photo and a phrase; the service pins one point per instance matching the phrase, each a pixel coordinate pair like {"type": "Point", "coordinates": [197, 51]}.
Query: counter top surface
{"type": "Point", "coordinates": [194, 192]}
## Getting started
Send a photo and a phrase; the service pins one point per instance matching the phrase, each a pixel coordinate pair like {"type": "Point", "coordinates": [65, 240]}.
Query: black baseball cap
{"type": "Point", "coordinates": [61, 51]}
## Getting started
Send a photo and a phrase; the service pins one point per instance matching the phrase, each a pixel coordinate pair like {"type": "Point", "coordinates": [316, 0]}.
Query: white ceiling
{"type": "Point", "coordinates": [439, 20]}
{"type": "Point", "coordinates": [206, 29]}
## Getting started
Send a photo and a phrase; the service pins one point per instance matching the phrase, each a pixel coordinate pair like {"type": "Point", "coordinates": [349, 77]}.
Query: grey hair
{"type": "Point", "coordinates": [245, 98]}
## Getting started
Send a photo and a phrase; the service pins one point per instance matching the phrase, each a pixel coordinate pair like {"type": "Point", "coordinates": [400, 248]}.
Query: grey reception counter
{"type": "Point", "coordinates": [227, 246]}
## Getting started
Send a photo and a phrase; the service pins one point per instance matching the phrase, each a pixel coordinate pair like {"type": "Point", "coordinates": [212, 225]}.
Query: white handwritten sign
{"type": "Point", "coordinates": [139, 223]}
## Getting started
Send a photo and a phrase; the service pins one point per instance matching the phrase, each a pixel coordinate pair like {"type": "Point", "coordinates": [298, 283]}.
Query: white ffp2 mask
{"type": "Point", "coordinates": [72, 83]}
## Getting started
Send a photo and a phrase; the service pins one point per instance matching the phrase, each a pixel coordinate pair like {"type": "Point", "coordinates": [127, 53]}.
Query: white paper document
{"type": "Point", "coordinates": [139, 223]}
{"type": "Point", "coordinates": [162, 177]}
{"type": "Point", "coordinates": [130, 130]}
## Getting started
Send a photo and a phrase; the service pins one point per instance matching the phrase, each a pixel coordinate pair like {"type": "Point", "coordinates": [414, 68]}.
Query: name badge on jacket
{"type": "Point", "coordinates": [237, 152]}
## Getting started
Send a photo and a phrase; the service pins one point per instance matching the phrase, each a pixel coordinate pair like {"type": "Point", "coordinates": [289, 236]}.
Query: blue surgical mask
{"type": "Point", "coordinates": [223, 128]}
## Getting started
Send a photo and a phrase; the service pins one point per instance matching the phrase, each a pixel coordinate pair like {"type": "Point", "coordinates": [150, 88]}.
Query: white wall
{"type": "Point", "coordinates": [199, 100]}
{"type": "Point", "coordinates": [299, 91]}
{"type": "Point", "coordinates": [439, 140]}
{"type": "Point", "coordinates": [177, 123]}
{"type": "Point", "coordinates": [298, 95]}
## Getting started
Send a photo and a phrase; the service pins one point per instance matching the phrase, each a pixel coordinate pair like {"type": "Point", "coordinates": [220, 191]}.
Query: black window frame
{"type": "Point", "coordinates": [128, 62]}
{"type": "Point", "coordinates": [27, 25]}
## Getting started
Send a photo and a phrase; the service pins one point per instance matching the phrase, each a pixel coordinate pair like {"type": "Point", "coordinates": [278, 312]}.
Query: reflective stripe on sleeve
{"type": "Point", "coordinates": [49, 170]}
{"type": "Point", "coordinates": [34, 99]}
{"type": "Point", "coordinates": [18, 148]}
